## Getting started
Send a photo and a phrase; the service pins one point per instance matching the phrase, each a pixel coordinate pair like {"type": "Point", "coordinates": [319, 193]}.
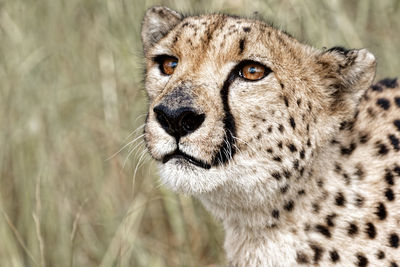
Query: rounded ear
{"type": "Point", "coordinates": [157, 22]}
{"type": "Point", "coordinates": [346, 75]}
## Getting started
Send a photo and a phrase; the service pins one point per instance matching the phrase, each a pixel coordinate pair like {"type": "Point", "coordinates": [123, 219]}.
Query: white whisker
{"type": "Point", "coordinates": [130, 153]}
{"type": "Point", "coordinates": [122, 148]}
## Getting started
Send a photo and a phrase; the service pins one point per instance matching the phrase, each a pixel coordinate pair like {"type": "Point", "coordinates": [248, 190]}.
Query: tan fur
{"type": "Point", "coordinates": [315, 174]}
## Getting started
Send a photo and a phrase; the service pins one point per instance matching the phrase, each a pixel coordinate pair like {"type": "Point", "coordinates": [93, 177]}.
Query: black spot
{"type": "Point", "coordinates": [397, 124]}
{"type": "Point", "coordinates": [270, 129]}
{"type": "Point", "coordinates": [281, 128]}
{"type": "Point", "coordinates": [241, 45]}
{"type": "Point", "coordinates": [282, 85]}
{"type": "Point", "coordinates": [359, 201]}
{"type": "Point", "coordinates": [269, 150]}
{"type": "Point", "coordinates": [334, 255]}
{"type": "Point", "coordinates": [381, 211]}
{"type": "Point", "coordinates": [296, 164]}
{"type": "Point", "coordinates": [301, 192]}
{"type": "Point", "coordinates": [371, 112]}
{"type": "Point", "coordinates": [340, 199]}
{"type": "Point", "coordinates": [276, 175]}
{"type": "Point", "coordinates": [329, 219]}
{"type": "Point", "coordinates": [292, 147]}
{"type": "Point", "coordinates": [302, 154]}
{"type": "Point", "coordinates": [397, 101]}
{"type": "Point", "coordinates": [383, 103]}
{"type": "Point", "coordinates": [301, 171]}
{"type": "Point", "coordinates": [352, 229]}
{"type": "Point", "coordinates": [394, 240]}
{"type": "Point", "coordinates": [298, 102]}
{"type": "Point", "coordinates": [175, 39]}
{"type": "Point", "coordinates": [278, 159]}
{"type": "Point", "coordinates": [284, 189]}
{"type": "Point", "coordinates": [389, 177]}
{"type": "Point", "coordinates": [309, 142]}
{"type": "Point", "coordinates": [342, 125]}
{"type": "Point", "coordinates": [346, 178]}
{"type": "Point", "coordinates": [287, 174]}
{"type": "Point", "coordinates": [370, 230]}
{"type": "Point", "coordinates": [397, 170]}
{"type": "Point", "coordinates": [338, 168]}
{"type": "Point", "coordinates": [316, 207]}
{"type": "Point", "coordinates": [289, 205]}
{"type": "Point", "coordinates": [364, 138]}
{"type": "Point", "coordinates": [382, 149]}
{"type": "Point", "coordinates": [322, 229]}
{"type": "Point", "coordinates": [318, 251]}
{"type": "Point", "coordinates": [389, 194]}
{"type": "Point", "coordinates": [246, 29]}
{"type": "Point", "coordinates": [380, 254]}
{"type": "Point", "coordinates": [275, 214]}
{"type": "Point", "coordinates": [360, 173]}
{"type": "Point", "coordinates": [394, 141]}
{"type": "Point", "coordinates": [348, 150]}
{"type": "Point", "coordinates": [389, 83]}
{"type": "Point", "coordinates": [361, 260]}
{"type": "Point", "coordinates": [302, 258]}
{"type": "Point", "coordinates": [292, 123]}
{"type": "Point", "coordinates": [280, 144]}
{"type": "Point", "coordinates": [286, 101]}
{"type": "Point", "coordinates": [393, 264]}
{"type": "Point", "coordinates": [376, 87]}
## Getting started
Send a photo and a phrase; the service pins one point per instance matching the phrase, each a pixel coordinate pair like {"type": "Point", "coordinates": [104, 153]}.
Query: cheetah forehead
{"type": "Point", "coordinates": [221, 38]}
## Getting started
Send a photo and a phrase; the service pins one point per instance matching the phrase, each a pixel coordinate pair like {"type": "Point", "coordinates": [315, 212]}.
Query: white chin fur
{"type": "Point", "coordinates": [183, 177]}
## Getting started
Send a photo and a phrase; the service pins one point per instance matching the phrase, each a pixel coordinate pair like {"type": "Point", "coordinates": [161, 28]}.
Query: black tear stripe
{"type": "Point", "coordinates": [227, 149]}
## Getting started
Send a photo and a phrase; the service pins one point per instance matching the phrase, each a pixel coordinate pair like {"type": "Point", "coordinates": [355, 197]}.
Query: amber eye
{"type": "Point", "coordinates": [253, 71]}
{"type": "Point", "coordinates": [167, 64]}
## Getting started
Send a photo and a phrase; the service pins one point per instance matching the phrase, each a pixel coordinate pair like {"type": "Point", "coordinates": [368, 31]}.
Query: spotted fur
{"type": "Point", "coordinates": [301, 167]}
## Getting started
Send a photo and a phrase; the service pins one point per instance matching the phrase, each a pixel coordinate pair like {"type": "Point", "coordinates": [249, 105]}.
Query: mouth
{"type": "Point", "coordinates": [177, 154]}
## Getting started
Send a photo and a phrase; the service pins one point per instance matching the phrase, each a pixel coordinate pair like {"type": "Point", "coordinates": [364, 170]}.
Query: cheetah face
{"type": "Point", "coordinates": [230, 99]}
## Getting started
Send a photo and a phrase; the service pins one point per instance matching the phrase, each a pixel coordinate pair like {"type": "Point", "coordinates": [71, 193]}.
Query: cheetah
{"type": "Point", "coordinates": [290, 147]}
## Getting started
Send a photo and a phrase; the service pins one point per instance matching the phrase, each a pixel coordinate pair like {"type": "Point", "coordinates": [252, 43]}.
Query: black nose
{"type": "Point", "coordinates": [179, 122]}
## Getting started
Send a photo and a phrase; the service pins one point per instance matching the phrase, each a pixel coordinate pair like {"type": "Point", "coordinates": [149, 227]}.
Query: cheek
{"type": "Point", "coordinates": [254, 102]}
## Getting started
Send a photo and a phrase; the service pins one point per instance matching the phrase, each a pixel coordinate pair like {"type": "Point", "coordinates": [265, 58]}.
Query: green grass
{"type": "Point", "coordinates": [71, 95]}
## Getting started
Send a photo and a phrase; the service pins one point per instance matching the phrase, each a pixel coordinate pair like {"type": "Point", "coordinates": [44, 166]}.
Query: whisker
{"type": "Point", "coordinates": [130, 153]}
{"type": "Point", "coordinates": [122, 148]}
{"type": "Point", "coordinates": [142, 154]}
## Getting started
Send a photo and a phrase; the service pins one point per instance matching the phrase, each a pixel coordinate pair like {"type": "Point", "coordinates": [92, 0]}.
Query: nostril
{"type": "Point", "coordinates": [191, 121]}
{"type": "Point", "coordinates": [161, 118]}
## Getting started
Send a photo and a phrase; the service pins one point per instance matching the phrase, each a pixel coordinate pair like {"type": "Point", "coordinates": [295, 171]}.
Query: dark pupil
{"type": "Point", "coordinates": [252, 70]}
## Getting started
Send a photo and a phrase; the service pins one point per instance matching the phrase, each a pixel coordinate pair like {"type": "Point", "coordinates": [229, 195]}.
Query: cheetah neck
{"type": "Point", "coordinates": [269, 224]}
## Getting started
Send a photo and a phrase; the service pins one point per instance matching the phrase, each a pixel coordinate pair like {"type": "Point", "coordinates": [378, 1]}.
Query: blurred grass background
{"type": "Point", "coordinates": [71, 96]}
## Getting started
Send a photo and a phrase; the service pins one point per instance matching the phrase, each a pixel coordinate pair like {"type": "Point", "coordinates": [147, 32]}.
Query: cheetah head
{"type": "Point", "coordinates": [234, 101]}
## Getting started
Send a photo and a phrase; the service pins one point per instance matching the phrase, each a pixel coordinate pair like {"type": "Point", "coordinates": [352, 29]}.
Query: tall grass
{"type": "Point", "coordinates": [76, 186]}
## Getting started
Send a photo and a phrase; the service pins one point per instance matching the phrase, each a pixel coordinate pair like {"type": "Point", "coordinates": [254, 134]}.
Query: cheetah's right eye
{"type": "Point", "coordinates": [167, 64]}
{"type": "Point", "coordinates": [253, 71]}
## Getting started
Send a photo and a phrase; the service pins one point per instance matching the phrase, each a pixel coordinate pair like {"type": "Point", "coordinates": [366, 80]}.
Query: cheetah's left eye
{"type": "Point", "coordinates": [253, 71]}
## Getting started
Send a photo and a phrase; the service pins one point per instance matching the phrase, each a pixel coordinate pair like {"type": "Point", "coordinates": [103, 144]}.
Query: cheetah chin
{"type": "Point", "coordinates": [291, 147]}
